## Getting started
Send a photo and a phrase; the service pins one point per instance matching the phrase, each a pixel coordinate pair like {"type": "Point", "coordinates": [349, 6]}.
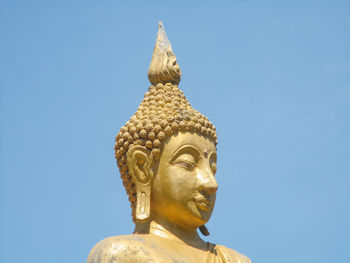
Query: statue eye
{"type": "Point", "coordinates": [213, 167]}
{"type": "Point", "coordinates": [187, 161]}
{"type": "Point", "coordinates": [187, 165]}
{"type": "Point", "coordinates": [212, 162]}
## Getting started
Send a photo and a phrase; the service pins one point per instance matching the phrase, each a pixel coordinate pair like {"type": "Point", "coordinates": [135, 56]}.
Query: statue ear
{"type": "Point", "coordinates": [139, 162]}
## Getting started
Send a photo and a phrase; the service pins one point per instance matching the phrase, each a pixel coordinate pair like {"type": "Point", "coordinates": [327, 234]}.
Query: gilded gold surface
{"type": "Point", "coordinates": [167, 158]}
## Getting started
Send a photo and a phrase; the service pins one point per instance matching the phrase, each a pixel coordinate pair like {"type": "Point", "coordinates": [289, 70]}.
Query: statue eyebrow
{"type": "Point", "coordinates": [185, 148]}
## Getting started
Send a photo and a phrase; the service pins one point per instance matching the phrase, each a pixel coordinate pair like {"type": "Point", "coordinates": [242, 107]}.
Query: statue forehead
{"type": "Point", "coordinates": [179, 139]}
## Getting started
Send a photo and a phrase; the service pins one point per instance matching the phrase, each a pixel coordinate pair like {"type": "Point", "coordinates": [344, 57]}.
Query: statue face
{"type": "Point", "coordinates": [184, 186]}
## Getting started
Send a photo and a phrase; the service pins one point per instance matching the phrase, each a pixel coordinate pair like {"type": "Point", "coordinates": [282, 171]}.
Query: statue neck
{"type": "Point", "coordinates": [168, 230]}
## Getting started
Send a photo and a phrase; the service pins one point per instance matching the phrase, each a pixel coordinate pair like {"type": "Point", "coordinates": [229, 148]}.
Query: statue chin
{"type": "Point", "coordinates": [166, 154]}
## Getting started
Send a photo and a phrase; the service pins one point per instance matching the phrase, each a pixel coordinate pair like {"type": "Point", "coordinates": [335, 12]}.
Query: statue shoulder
{"type": "Point", "coordinates": [232, 255]}
{"type": "Point", "coordinates": [129, 248]}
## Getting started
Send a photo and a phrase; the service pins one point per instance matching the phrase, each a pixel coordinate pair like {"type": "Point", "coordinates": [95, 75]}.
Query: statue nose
{"type": "Point", "coordinates": [208, 183]}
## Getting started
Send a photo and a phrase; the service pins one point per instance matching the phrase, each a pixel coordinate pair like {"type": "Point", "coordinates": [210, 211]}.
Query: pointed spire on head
{"type": "Point", "coordinates": [163, 68]}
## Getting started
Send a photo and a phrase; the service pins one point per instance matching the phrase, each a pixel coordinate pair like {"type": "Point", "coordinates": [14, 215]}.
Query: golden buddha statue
{"type": "Point", "coordinates": [166, 154]}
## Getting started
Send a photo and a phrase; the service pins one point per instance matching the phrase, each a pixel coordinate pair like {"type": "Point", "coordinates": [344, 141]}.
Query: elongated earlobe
{"type": "Point", "coordinates": [139, 164]}
{"type": "Point", "coordinates": [143, 203]}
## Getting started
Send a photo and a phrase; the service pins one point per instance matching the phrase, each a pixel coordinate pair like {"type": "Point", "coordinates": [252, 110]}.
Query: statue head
{"type": "Point", "coordinates": [166, 152]}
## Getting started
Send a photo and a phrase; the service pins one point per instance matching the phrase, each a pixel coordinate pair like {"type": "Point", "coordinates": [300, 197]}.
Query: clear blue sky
{"type": "Point", "coordinates": [273, 76]}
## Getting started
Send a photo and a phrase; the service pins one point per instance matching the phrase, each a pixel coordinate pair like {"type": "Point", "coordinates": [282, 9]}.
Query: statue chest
{"type": "Point", "coordinates": [179, 253]}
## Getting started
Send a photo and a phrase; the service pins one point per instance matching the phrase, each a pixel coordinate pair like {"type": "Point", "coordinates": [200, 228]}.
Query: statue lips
{"type": "Point", "coordinates": [203, 204]}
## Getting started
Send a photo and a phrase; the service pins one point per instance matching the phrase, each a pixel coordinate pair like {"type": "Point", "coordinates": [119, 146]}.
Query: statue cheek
{"type": "Point", "coordinates": [187, 183]}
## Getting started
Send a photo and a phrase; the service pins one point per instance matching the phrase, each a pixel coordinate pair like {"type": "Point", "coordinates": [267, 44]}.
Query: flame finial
{"type": "Point", "coordinates": [163, 68]}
